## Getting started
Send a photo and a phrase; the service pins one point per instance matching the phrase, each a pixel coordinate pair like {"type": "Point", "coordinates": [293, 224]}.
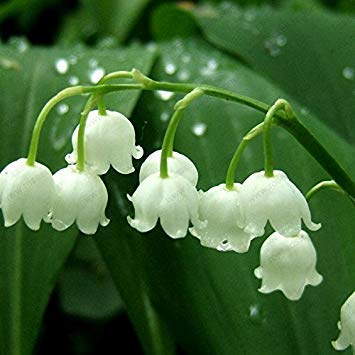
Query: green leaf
{"type": "Point", "coordinates": [85, 286]}
{"type": "Point", "coordinates": [110, 21]}
{"type": "Point", "coordinates": [30, 261]}
{"type": "Point", "coordinates": [208, 299]}
{"type": "Point", "coordinates": [309, 55]}
{"type": "Point", "coordinates": [170, 21]}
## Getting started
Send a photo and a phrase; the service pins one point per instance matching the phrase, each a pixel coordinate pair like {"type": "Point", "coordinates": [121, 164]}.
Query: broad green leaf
{"type": "Point", "coordinates": [85, 286]}
{"type": "Point", "coordinates": [310, 55]}
{"type": "Point", "coordinates": [111, 21]}
{"type": "Point", "coordinates": [209, 299]}
{"type": "Point", "coordinates": [30, 261]}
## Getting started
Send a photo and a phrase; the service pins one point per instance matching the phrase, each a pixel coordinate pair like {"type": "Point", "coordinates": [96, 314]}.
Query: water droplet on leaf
{"type": "Point", "coordinates": [61, 66]}
{"type": "Point", "coordinates": [348, 73]}
{"type": "Point", "coordinates": [199, 129]}
{"type": "Point", "coordinates": [164, 95]}
{"type": "Point", "coordinates": [62, 109]}
{"type": "Point", "coordinates": [96, 75]}
{"type": "Point", "coordinates": [170, 68]}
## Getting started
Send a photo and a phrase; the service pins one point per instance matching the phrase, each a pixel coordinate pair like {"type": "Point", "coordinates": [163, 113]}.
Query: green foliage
{"type": "Point", "coordinates": [176, 292]}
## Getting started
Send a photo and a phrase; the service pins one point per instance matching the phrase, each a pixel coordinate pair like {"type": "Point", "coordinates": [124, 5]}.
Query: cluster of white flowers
{"type": "Point", "coordinates": [71, 195]}
{"type": "Point", "coordinates": [223, 218]}
{"type": "Point", "coordinates": [230, 218]}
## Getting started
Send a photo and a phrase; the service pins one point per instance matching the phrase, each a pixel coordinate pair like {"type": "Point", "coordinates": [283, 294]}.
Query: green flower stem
{"type": "Point", "coordinates": [114, 75]}
{"type": "Point", "coordinates": [64, 94]}
{"type": "Point", "coordinates": [331, 184]}
{"type": "Point", "coordinates": [291, 124]}
{"type": "Point", "coordinates": [278, 105]}
{"type": "Point", "coordinates": [168, 142]}
{"type": "Point", "coordinates": [90, 104]}
{"type": "Point", "coordinates": [254, 132]}
{"type": "Point", "coordinates": [76, 90]}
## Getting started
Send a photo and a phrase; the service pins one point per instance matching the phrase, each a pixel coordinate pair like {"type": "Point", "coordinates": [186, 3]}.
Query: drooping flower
{"type": "Point", "coordinates": [173, 199]}
{"type": "Point", "coordinates": [288, 264]}
{"type": "Point", "coordinates": [109, 140]}
{"type": "Point", "coordinates": [177, 164]}
{"type": "Point", "coordinates": [25, 191]}
{"type": "Point", "coordinates": [346, 325]}
{"type": "Point", "coordinates": [221, 209]}
{"type": "Point", "coordinates": [80, 196]}
{"type": "Point", "coordinates": [275, 199]}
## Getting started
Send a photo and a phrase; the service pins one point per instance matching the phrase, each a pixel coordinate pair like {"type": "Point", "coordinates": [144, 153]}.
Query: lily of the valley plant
{"type": "Point", "coordinates": [226, 217]}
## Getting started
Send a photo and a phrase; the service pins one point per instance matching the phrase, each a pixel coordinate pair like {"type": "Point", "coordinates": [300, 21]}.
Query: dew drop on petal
{"type": "Point", "coordinates": [62, 109]}
{"type": "Point", "coordinates": [164, 95]}
{"type": "Point", "coordinates": [199, 129]}
{"type": "Point", "coordinates": [348, 73]}
{"type": "Point", "coordinates": [96, 75]}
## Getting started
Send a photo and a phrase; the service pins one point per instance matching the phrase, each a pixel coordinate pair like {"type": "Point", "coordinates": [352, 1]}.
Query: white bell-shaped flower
{"type": "Point", "coordinates": [221, 209]}
{"type": "Point", "coordinates": [109, 140]}
{"type": "Point", "coordinates": [173, 199]}
{"type": "Point", "coordinates": [288, 264]}
{"type": "Point", "coordinates": [275, 199]}
{"type": "Point", "coordinates": [80, 196]}
{"type": "Point", "coordinates": [346, 325]}
{"type": "Point", "coordinates": [177, 164]}
{"type": "Point", "coordinates": [25, 191]}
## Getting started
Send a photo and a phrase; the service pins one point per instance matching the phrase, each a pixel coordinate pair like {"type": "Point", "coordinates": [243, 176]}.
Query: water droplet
{"type": "Point", "coordinates": [151, 47]}
{"type": "Point", "coordinates": [186, 58]}
{"type": "Point", "coordinates": [20, 43]}
{"type": "Point", "coordinates": [73, 59]}
{"type": "Point", "coordinates": [348, 73]}
{"type": "Point", "coordinates": [62, 109]}
{"type": "Point", "coordinates": [281, 40]}
{"type": "Point", "coordinates": [62, 66]}
{"type": "Point", "coordinates": [164, 95]}
{"type": "Point", "coordinates": [164, 117]}
{"type": "Point", "coordinates": [183, 75]}
{"type": "Point", "coordinates": [108, 42]}
{"type": "Point", "coordinates": [272, 48]}
{"type": "Point", "coordinates": [73, 80]}
{"type": "Point", "coordinates": [274, 44]}
{"type": "Point", "coordinates": [170, 68]}
{"type": "Point", "coordinates": [304, 111]}
{"type": "Point", "coordinates": [211, 67]}
{"type": "Point", "coordinates": [96, 75]}
{"type": "Point", "coordinates": [9, 64]}
{"type": "Point", "coordinates": [93, 63]}
{"type": "Point", "coordinates": [250, 16]}
{"type": "Point", "coordinates": [199, 129]}
{"type": "Point", "coordinates": [255, 313]}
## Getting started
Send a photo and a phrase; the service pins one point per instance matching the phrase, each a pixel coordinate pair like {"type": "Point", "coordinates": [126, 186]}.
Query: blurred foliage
{"type": "Point", "coordinates": [208, 301]}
